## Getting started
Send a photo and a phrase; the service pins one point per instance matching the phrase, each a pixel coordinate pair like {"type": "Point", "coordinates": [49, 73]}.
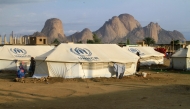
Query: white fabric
{"type": "Point", "coordinates": [8, 65]}
{"type": "Point", "coordinates": [144, 51]}
{"type": "Point", "coordinates": [67, 60]}
{"type": "Point", "coordinates": [20, 54]}
{"type": "Point", "coordinates": [181, 59]}
{"type": "Point", "coordinates": [147, 54]}
{"type": "Point", "coordinates": [16, 52]}
{"type": "Point", "coordinates": [92, 53]}
{"type": "Point", "coordinates": [179, 63]}
{"type": "Point", "coordinates": [119, 69]}
{"type": "Point", "coordinates": [1, 48]}
{"type": "Point", "coordinates": [41, 69]}
{"type": "Point", "coordinates": [65, 70]}
{"type": "Point", "coordinates": [182, 52]}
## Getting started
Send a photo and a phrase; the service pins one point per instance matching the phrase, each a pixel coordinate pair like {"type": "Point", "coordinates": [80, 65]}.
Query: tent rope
{"type": "Point", "coordinates": [85, 77]}
{"type": "Point", "coordinates": [14, 61]}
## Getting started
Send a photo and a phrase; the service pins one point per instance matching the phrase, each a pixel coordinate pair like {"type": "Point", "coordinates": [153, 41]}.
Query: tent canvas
{"type": "Point", "coordinates": [12, 56]}
{"type": "Point", "coordinates": [84, 61]}
{"type": "Point", "coordinates": [181, 59]}
{"type": "Point", "coordinates": [1, 47]}
{"type": "Point", "coordinates": [148, 55]}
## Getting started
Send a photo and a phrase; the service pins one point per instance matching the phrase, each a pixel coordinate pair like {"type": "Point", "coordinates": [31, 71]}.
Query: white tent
{"type": "Point", "coordinates": [11, 56]}
{"type": "Point", "coordinates": [1, 47]}
{"type": "Point", "coordinates": [148, 55]}
{"type": "Point", "coordinates": [84, 61]}
{"type": "Point", "coordinates": [181, 59]}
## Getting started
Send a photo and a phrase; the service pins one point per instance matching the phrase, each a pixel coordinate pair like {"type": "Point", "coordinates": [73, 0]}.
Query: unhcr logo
{"type": "Point", "coordinates": [81, 52]}
{"type": "Point", "coordinates": [18, 51]}
{"type": "Point", "coordinates": [134, 50]}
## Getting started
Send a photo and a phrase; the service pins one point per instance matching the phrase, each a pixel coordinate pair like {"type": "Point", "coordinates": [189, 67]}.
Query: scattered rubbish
{"type": "Point", "coordinates": [144, 74]}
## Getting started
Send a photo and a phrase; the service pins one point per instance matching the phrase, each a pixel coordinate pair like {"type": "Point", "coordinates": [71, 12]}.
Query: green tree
{"type": "Point", "coordinates": [79, 42]}
{"type": "Point", "coordinates": [128, 42]}
{"type": "Point", "coordinates": [149, 40]}
{"type": "Point", "coordinates": [175, 44]}
{"type": "Point", "coordinates": [96, 39]}
{"type": "Point", "coordinates": [90, 42]}
{"type": "Point", "coordinates": [56, 41]}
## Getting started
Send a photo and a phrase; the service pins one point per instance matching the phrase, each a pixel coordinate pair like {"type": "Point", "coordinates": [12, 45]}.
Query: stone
{"type": "Point", "coordinates": [53, 29]}
{"type": "Point", "coordinates": [82, 36]}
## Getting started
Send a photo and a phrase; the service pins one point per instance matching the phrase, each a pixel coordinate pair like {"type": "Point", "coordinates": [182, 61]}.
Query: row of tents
{"type": "Point", "coordinates": [77, 60]}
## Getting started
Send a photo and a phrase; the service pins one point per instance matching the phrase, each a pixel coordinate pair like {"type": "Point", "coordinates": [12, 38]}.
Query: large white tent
{"type": "Point", "coordinates": [148, 55]}
{"type": "Point", "coordinates": [181, 59]}
{"type": "Point", "coordinates": [84, 61]}
{"type": "Point", "coordinates": [11, 56]}
{"type": "Point", "coordinates": [1, 47]}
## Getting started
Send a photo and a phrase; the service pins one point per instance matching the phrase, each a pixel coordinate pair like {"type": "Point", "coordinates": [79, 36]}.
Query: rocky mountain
{"type": "Point", "coordinates": [117, 27]}
{"type": "Point", "coordinates": [37, 34]}
{"type": "Point", "coordinates": [115, 30]}
{"type": "Point", "coordinates": [153, 30]}
{"type": "Point", "coordinates": [53, 29]}
{"type": "Point", "coordinates": [125, 26]}
{"type": "Point", "coordinates": [167, 36]}
{"type": "Point", "coordinates": [83, 36]}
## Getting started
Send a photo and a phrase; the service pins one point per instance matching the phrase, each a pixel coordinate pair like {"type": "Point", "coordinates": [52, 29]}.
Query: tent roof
{"type": "Point", "coordinates": [182, 52]}
{"type": "Point", "coordinates": [144, 51]}
{"type": "Point", "coordinates": [90, 53]}
{"type": "Point", "coordinates": [1, 48]}
{"type": "Point", "coordinates": [19, 52]}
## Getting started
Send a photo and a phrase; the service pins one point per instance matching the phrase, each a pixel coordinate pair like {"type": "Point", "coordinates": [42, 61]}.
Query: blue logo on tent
{"type": "Point", "coordinates": [134, 50]}
{"type": "Point", "coordinates": [81, 51]}
{"type": "Point", "coordinates": [19, 51]}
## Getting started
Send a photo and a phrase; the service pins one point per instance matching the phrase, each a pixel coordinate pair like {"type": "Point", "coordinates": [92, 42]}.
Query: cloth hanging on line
{"type": "Point", "coordinates": [119, 69]}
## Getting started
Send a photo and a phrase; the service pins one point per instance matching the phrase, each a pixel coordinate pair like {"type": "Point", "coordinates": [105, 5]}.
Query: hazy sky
{"type": "Point", "coordinates": [28, 16]}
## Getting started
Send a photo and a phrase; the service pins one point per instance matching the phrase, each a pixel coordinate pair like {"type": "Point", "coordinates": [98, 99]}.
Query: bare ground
{"type": "Point", "coordinates": [162, 89]}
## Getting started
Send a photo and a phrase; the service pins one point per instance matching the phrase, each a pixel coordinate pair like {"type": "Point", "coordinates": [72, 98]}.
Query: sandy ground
{"type": "Point", "coordinates": [161, 89]}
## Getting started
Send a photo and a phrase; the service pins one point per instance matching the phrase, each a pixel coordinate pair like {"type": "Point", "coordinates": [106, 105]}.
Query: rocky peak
{"type": "Point", "coordinates": [129, 22]}
{"type": "Point", "coordinates": [125, 27]}
{"type": "Point", "coordinates": [53, 29]}
{"type": "Point", "coordinates": [117, 27]}
{"type": "Point", "coordinates": [152, 30]}
{"type": "Point", "coordinates": [83, 36]}
{"type": "Point", "coordinates": [37, 34]}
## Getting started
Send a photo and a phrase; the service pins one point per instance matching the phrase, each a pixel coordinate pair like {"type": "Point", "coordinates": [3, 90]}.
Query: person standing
{"type": "Point", "coordinates": [138, 65]}
{"type": "Point", "coordinates": [138, 62]}
{"type": "Point", "coordinates": [138, 54]}
{"type": "Point", "coordinates": [32, 66]}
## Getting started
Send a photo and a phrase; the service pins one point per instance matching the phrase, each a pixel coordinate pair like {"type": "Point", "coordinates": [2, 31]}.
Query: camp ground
{"type": "Point", "coordinates": [181, 59]}
{"type": "Point", "coordinates": [148, 55]}
{"type": "Point", "coordinates": [12, 56]}
{"type": "Point", "coordinates": [84, 61]}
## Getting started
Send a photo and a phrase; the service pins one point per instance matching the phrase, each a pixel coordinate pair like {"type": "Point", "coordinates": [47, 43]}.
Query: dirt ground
{"type": "Point", "coordinates": [162, 89]}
